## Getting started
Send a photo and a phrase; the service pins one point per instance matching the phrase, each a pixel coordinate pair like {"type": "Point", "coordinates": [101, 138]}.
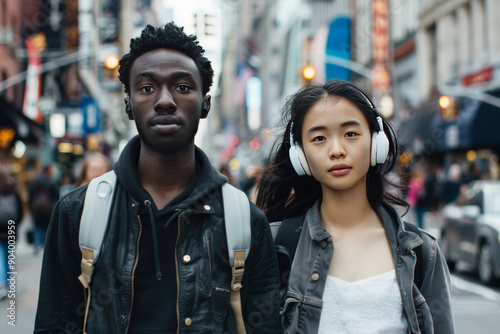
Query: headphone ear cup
{"type": "Point", "coordinates": [303, 160]}
{"type": "Point", "coordinates": [373, 153]}
{"type": "Point", "coordinates": [299, 161]}
{"type": "Point", "coordinates": [205, 108]}
{"type": "Point", "coordinates": [382, 147]}
{"type": "Point", "coordinates": [128, 110]}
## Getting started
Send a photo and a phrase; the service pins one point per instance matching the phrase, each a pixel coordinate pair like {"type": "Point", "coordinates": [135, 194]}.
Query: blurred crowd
{"type": "Point", "coordinates": [43, 193]}
{"type": "Point", "coordinates": [431, 186]}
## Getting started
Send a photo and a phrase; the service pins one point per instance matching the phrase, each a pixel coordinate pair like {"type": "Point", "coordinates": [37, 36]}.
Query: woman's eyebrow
{"type": "Point", "coordinates": [350, 123]}
{"type": "Point", "coordinates": [316, 128]}
{"type": "Point", "coordinates": [343, 125]}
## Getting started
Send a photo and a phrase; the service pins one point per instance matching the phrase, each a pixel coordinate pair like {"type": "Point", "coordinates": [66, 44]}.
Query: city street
{"type": "Point", "coordinates": [476, 307]}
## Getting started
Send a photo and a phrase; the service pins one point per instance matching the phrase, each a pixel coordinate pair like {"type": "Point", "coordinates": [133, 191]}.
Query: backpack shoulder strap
{"type": "Point", "coordinates": [287, 236]}
{"type": "Point", "coordinates": [93, 223]}
{"type": "Point", "coordinates": [419, 267]}
{"type": "Point", "coordinates": [238, 235]}
{"type": "Point", "coordinates": [95, 214]}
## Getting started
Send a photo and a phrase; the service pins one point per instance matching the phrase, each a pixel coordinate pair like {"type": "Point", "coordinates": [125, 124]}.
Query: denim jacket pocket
{"type": "Point", "coordinates": [290, 312]}
{"type": "Point", "coordinates": [424, 317]}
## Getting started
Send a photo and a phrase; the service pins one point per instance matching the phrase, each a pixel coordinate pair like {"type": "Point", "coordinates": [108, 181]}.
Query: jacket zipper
{"type": "Point", "coordinates": [133, 272]}
{"type": "Point", "coordinates": [177, 274]}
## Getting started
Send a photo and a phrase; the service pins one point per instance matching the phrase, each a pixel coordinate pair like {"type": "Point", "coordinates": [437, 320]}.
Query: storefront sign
{"type": "Point", "coordinates": [482, 76]}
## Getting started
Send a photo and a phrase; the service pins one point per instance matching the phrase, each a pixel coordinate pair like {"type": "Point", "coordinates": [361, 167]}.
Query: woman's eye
{"type": "Point", "coordinates": [350, 134]}
{"type": "Point", "coordinates": [319, 138]}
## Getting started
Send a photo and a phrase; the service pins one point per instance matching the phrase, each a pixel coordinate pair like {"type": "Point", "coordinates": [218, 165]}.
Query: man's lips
{"type": "Point", "coordinates": [340, 169]}
{"type": "Point", "coordinates": [165, 120]}
{"type": "Point", "coordinates": [165, 124]}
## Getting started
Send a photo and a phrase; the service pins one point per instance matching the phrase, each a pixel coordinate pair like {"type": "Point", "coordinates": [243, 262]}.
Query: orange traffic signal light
{"type": "Point", "coordinates": [448, 108]}
{"type": "Point", "coordinates": [309, 72]}
{"type": "Point", "coordinates": [111, 62]}
{"type": "Point", "coordinates": [444, 102]}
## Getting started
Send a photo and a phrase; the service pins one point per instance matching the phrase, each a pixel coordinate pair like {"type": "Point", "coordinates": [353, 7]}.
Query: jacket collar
{"type": "Point", "coordinates": [401, 240]}
{"type": "Point", "coordinates": [197, 197]}
{"type": "Point", "coordinates": [316, 230]}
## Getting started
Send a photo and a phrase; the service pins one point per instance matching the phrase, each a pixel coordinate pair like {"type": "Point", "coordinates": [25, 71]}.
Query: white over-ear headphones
{"type": "Point", "coordinates": [378, 154]}
{"type": "Point", "coordinates": [380, 144]}
{"type": "Point", "coordinates": [297, 156]}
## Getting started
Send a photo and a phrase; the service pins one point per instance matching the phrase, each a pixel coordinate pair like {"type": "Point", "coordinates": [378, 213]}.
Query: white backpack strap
{"type": "Point", "coordinates": [93, 223]}
{"type": "Point", "coordinates": [238, 235]}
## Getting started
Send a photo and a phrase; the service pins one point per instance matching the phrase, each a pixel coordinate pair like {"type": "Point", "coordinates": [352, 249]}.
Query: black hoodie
{"type": "Point", "coordinates": [155, 284]}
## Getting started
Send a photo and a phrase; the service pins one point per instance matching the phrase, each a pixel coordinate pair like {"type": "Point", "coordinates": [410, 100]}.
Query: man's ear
{"type": "Point", "coordinates": [205, 107]}
{"type": "Point", "coordinates": [128, 108]}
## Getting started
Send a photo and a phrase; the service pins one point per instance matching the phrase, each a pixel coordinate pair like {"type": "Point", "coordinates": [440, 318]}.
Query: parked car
{"type": "Point", "coordinates": [470, 230]}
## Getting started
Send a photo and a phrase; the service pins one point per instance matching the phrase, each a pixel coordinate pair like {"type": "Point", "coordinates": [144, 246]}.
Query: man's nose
{"type": "Point", "coordinates": [165, 101]}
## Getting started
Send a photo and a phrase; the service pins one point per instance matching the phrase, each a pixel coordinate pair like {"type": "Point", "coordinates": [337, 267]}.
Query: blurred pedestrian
{"type": "Point", "coordinates": [450, 187]}
{"type": "Point", "coordinates": [43, 195]}
{"type": "Point", "coordinates": [416, 190]}
{"type": "Point", "coordinates": [428, 200]}
{"type": "Point", "coordinates": [249, 182]}
{"type": "Point", "coordinates": [94, 164]}
{"type": "Point", "coordinates": [473, 173]}
{"type": "Point", "coordinates": [67, 183]}
{"type": "Point", "coordinates": [11, 215]}
{"type": "Point", "coordinates": [226, 171]}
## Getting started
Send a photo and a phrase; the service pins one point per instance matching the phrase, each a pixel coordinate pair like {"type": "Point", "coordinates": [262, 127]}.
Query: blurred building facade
{"type": "Point", "coordinates": [458, 84]}
{"type": "Point", "coordinates": [407, 54]}
{"type": "Point", "coordinates": [58, 99]}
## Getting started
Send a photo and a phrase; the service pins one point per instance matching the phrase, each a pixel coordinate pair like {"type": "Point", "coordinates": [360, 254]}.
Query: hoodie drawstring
{"type": "Point", "coordinates": [177, 213]}
{"type": "Point", "coordinates": [147, 203]}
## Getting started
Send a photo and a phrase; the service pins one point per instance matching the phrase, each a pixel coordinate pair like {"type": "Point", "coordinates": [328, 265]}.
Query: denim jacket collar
{"type": "Point", "coordinates": [316, 230]}
{"type": "Point", "coordinates": [401, 240]}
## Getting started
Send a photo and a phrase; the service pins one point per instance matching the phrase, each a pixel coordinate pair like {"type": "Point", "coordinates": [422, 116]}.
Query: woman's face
{"type": "Point", "coordinates": [336, 140]}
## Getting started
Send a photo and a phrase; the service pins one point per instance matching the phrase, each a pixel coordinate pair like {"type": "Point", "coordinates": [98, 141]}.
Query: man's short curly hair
{"type": "Point", "coordinates": [168, 37]}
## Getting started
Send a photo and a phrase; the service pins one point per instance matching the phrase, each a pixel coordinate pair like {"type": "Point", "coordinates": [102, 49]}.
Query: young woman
{"type": "Point", "coordinates": [354, 265]}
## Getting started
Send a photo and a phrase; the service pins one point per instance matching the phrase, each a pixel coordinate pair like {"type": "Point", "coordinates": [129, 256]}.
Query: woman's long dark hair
{"type": "Point", "coordinates": [282, 193]}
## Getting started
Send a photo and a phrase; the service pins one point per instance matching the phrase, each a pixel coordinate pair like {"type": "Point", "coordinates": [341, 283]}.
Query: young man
{"type": "Point", "coordinates": [164, 265]}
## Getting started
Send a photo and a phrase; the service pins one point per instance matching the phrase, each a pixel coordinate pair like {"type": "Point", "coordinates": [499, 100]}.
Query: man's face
{"type": "Point", "coordinates": [166, 100]}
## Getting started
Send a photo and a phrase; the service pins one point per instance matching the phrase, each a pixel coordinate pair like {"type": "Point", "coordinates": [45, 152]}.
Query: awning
{"type": "Point", "coordinates": [476, 126]}
{"type": "Point", "coordinates": [25, 129]}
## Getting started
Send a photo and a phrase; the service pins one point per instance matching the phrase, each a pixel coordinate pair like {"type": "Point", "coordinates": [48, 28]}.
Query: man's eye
{"type": "Point", "coordinates": [183, 88]}
{"type": "Point", "coordinates": [146, 89]}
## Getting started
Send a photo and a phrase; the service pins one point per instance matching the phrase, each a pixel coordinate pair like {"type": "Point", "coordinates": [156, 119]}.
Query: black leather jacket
{"type": "Point", "coordinates": [203, 282]}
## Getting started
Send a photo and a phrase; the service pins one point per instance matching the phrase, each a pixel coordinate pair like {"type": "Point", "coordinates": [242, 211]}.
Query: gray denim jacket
{"type": "Point", "coordinates": [427, 310]}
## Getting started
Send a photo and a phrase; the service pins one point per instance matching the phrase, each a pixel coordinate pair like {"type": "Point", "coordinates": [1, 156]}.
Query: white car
{"type": "Point", "coordinates": [470, 230]}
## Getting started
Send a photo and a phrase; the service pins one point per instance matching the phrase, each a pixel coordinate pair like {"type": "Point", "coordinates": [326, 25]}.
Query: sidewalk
{"type": "Point", "coordinates": [27, 278]}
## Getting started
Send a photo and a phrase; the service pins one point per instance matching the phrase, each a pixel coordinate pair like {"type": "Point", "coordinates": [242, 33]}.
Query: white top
{"type": "Point", "coordinates": [371, 305]}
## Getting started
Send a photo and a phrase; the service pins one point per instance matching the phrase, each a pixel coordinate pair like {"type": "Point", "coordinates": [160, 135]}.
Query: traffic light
{"type": "Point", "coordinates": [308, 73]}
{"type": "Point", "coordinates": [111, 62]}
{"type": "Point", "coordinates": [110, 70]}
{"type": "Point", "coordinates": [447, 108]}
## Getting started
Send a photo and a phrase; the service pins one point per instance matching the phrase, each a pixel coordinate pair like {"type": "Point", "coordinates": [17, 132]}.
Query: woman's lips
{"type": "Point", "coordinates": [340, 169]}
